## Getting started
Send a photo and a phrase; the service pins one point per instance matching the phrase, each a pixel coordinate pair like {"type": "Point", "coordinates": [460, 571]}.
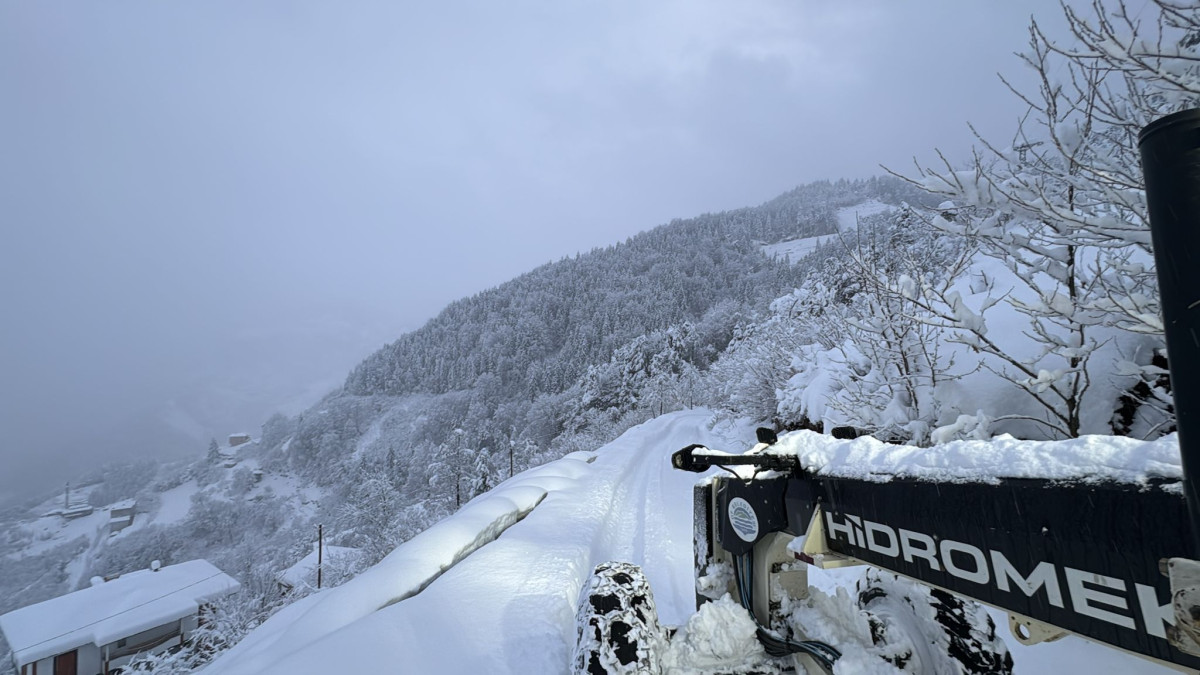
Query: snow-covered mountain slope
{"type": "Point", "coordinates": [493, 588]}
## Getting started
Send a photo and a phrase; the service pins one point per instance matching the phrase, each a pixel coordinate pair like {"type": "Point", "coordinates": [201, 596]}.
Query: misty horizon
{"type": "Point", "coordinates": [219, 209]}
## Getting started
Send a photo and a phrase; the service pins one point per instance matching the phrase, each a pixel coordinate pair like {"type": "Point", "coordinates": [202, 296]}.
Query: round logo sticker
{"type": "Point", "coordinates": [743, 519]}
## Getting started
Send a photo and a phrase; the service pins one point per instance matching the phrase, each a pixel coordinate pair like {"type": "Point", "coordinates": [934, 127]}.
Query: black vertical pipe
{"type": "Point", "coordinates": [1170, 149]}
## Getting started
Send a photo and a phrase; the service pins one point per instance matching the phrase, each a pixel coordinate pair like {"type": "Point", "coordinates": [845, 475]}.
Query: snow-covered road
{"type": "Point", "coordinates": [509, 606]}
{"type": "Point", "coordinates": [493, 589]}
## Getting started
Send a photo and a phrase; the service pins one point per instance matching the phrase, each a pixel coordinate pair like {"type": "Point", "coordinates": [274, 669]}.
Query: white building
{"type": "Point", "coordinates": [98, 629]}
{"type": "Point", "coordinates": [120, 515]}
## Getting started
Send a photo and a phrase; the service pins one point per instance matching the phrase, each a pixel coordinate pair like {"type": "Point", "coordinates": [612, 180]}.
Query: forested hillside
{"type": "Point", "coordinates": [566, 356]}
{"type": "Point", "coordinates": [538, 332]}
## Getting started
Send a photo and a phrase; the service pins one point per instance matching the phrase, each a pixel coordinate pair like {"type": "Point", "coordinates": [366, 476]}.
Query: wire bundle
{"type": "Point", "coordinates": [774, 643]}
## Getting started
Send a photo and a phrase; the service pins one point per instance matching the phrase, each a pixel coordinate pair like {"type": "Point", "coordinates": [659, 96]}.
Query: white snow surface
{"type": "Point", "coordinates": [51, 531]}
{"type": "Point", "coordinates": [175, 503]}
{"type": "Point", "coordinates": [795, 249]}
{"type": "Point", "coordinates": [1069, 654]}
{"type": "Point", "coordinates": [487, 591]}
{"type": "Point", "coordinates": [720, 633]}
{"type": "Point", "coordinates": [1087, 458]}
{"type": "Point", "coordinates": [116, 609]}
{"type": "Point", "coordinates": [847, 218]}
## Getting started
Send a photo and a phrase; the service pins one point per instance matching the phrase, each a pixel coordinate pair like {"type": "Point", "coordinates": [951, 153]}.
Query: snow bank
{"type": "Point", "coordinates": [1087, 459]}
{"type": "Point", "coordinates": [403, 573]}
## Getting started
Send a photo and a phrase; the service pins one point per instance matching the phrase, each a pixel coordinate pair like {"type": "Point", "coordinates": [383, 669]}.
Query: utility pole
{"type": "Point", "coordinates": [320, 552]}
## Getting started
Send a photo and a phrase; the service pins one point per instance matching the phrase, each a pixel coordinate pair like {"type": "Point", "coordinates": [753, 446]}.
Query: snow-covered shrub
{"type": "Point", "coordinates": [370, 514]}
{"type": "Point", "coordinates": [965, 427]}
{"type": "Point", "coordinates": [852, 346]}
{"type": "Point", "coordinates": [746, 380]}
{"type": "Point", "coordinates": [240, 482]}
{"type": "Point", "coordinates": [276, 430]}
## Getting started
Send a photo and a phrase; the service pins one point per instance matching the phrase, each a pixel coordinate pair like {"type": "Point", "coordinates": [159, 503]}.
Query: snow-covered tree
{"type": "Point", "coordinates": [483, 474]}
{"type": "Point", "coordinates": [1063, 208]}
{"type": "Point", "coordinates": [370, 511]}
{"type": "Point", "coordinates": [875, 359]}
{"type": "Point", "coordinates": [276, 430]}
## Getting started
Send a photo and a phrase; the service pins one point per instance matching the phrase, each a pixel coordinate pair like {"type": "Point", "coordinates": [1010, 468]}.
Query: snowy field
{"type": "Point", "coordinates": [175, 504]}
{"type": "Point", "coordinates": [51, 531]}
{"type": "Point", "coordinates": [795, 249]}
{"type": "Point", "coordinates": [847, 218]}
{"type": "Point", "coordinates": [493, 589]}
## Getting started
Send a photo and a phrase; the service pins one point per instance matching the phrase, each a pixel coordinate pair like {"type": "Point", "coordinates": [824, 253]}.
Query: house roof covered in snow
{"type": "Point", "coordinates": [113, 610]}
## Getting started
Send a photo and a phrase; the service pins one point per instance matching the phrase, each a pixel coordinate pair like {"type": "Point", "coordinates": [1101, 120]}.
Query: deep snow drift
{"type": "Point", "coordinates": [493, 589]}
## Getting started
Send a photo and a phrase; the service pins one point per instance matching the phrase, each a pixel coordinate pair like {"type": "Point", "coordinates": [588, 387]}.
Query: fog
{"type": "Point", "coordinates": [212, 210]}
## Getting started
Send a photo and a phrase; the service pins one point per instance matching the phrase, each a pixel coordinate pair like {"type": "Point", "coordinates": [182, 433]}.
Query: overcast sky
{"type": "Point", "coordinates": [189, 191]}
